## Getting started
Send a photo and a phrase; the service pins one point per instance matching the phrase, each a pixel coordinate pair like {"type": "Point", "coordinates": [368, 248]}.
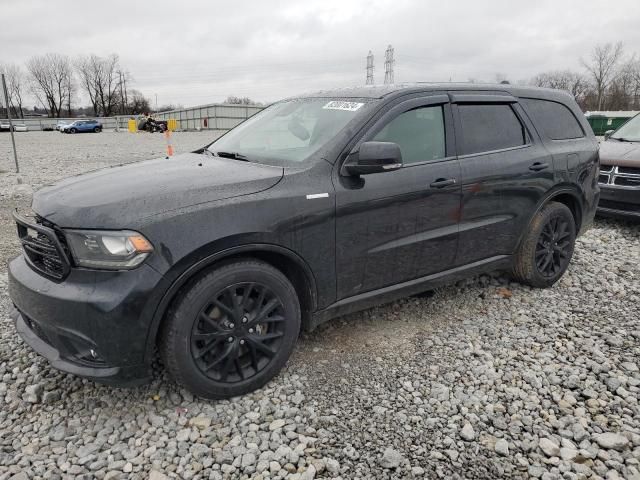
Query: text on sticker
{"type": "Point", "coordinates": [348, 106]}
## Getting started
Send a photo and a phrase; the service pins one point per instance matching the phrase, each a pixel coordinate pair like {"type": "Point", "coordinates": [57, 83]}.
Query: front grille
{"type": "Point", "coordinates": [627, 181]}
{"type": "Point", "coordinates": [630, 170]}
{"type": "Point", "coordinates": [43, 247]}
{"type": "Point", "coordinates": [621, 176]}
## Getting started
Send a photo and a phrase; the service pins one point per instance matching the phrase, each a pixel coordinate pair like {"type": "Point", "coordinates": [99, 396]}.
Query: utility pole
{"type": "Point", "coordinates": [122, 100]}
{"type": "Point", "coordinates": [13, 140]}
{"type": "Point", "coordinates": [388, 65]}
{"type": "Point", "coordinates": [370, 68]}
{"type": "Point", "coordinates": [156, 103]}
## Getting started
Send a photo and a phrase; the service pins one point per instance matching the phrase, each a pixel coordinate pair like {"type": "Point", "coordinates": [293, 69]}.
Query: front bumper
{"type": "Point", "coordinates": [93, 324]}
{"type": "Point", "coordinates": [618, 201]}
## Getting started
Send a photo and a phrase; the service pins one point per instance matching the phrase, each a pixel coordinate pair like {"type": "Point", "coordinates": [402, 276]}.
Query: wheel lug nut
{"type": "Point", "coordinates": [231, 325]}
{"type": "Point", "coordinates": [251, 330]}
{"type": "Point", "coordinates": [245, 319]}
{"type": "Point", "coordinates": [241, 342]}
{"type": "Point", "coordinates": [230, 339]}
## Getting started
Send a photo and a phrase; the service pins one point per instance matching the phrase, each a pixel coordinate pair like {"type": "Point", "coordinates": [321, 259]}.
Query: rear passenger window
{"type": "Point", "coordinates": [487, 127]}
{"type": "Point", "coordinates": [555, 119]}
{"type": "Point", "coordinates": [418, 132]}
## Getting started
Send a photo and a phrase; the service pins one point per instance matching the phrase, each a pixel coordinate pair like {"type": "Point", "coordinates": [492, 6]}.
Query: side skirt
{"type": "Point", "coordinates": [412, 287]}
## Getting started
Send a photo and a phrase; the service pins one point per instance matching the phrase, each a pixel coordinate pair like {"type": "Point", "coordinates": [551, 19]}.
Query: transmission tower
{"type": "Point", "coordinates": [388, 65]}
{"type": "Point", "coordinates": [370, 68]}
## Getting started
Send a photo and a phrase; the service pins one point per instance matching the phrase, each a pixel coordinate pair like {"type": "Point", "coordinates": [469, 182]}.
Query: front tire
{"type": "Point", "coordinates": [232, 330]}
{"type": "Point", "coordinates": [97, 130]}
{"type": "Point", "coordinates": [547, 248]}
{"type": "Point", "coordinates": [73, 130]}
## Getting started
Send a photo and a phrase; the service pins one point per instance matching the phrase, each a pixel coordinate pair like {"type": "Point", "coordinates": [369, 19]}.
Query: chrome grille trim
{"type": "Point", "coordinates": [618, 176]}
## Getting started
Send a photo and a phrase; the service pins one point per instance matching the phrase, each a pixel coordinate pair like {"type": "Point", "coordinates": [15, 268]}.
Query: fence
{"type": "Point", "coordinates": [205, 117]}
{"type": "Point", "coordinates": [209, 117]}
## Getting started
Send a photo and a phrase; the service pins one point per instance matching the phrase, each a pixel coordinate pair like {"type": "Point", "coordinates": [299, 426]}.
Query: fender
{"type": "Point", "coordinates": [554, 192]}
{"type": "Point", "coordinates": [209, 260]}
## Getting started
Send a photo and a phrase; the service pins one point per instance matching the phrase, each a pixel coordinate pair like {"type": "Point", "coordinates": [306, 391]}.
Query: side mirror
{"type": "Point", "coordinates": [375, 157]}
{"type": "Point", "coordinates": [607, 134]}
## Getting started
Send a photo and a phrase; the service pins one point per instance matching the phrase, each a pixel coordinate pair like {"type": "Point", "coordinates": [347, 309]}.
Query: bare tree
{"type": "Point", "coordinates": [88, 72]}
{"type": "Point", "coordinates": [51, 81]}
{"type": "Point", "coordinates": [624, 91]}
{"type": "Point", "coordinates": [101, 79]}
{"type": "Point", "coordinates": [137, 103]}
{"type": "Point", "coordinates": [567, 80]}
{"type": "Point", "coordinates": [15, 87]}
{"type": "Point", "coordinates": [602, 68]}
{"type": "Point", "coordinates": [233, 100]}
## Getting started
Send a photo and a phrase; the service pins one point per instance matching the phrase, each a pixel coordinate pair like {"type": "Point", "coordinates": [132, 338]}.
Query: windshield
{"type": "Point", "coordinates": [630, 131]}
{"type": "Point", "coordinates": [289, 132]}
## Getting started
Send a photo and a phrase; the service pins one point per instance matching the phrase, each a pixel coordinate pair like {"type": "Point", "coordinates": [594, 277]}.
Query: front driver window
{"type": "Point", "coordinates": [419, 133]}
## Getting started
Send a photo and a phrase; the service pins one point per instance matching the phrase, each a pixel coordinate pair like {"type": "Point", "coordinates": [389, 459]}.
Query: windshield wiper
{"type": "Point", "coordinates": [233, 155]}
{"type": "Point", "coordinates": [621, 139]}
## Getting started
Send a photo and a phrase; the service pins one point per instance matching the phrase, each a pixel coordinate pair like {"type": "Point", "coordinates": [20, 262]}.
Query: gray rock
{"type": "Point", "coordinates": [467, 433]}
{"type": "Point", "coordinates": [391, 458]}
{"type": "Point", "coordinates": [33, 393]}
{"type": "Point", "coordinates": [612, 441]}
{"type": "Point", "coordinates": [549, 447]}
{"type": "Point", "coordinates": [277, 424]}
{"type": "Point", "coordinates": [502, 447]}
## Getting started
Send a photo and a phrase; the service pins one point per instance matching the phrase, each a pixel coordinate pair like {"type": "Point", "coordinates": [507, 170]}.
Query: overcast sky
{"type": "Point", "coordinates": [193, 52]}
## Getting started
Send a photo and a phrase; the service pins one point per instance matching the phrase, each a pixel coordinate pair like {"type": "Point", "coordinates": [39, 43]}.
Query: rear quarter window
{"type": "Point", "coordinates": [489, 127]}
{"type": "Point", "coordinates": [555, 120]}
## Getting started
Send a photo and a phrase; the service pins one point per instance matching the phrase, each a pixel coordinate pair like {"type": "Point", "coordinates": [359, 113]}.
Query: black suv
{"type": "Point", "coordinates": [315, 207]}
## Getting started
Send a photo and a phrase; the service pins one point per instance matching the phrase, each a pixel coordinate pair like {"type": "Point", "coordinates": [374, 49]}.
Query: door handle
{"type": "Point", "coordinates": [536, 167]}
{"type": "Point", "coordinates": [443, 182]}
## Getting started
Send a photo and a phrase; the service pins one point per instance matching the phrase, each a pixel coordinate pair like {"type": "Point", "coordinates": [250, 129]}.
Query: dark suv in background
{"type": "Point", "coordinates": [315, 207]}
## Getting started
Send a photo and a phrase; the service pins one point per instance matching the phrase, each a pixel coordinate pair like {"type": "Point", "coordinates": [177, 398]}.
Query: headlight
{"type": "Point", "coordinates": [108, 250]}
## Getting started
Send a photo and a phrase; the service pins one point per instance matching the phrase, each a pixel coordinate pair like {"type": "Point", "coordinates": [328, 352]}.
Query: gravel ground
{"type": "Point", "coordinates": [482, 379]}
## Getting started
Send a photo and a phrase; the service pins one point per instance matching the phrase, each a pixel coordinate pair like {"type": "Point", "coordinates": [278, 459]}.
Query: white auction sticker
{"type": "Point", "coordinates": [348, 106]}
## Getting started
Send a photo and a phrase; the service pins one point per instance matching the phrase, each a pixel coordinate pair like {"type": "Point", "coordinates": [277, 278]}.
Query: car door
{"type": "Point", "coordinates": [506, 171]}
{"type": "Point", "coordinates": [396, 226]}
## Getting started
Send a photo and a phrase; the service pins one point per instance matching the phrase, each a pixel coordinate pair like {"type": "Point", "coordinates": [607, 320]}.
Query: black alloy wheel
{"type": "Point", "coordinates": [231, 329]}
{"type": "Point", "coordinates": [238, 332]}
{"type": "Point", "coordinates": [553, 250]}
{"type": "Point", "coordinates": [547, 247]}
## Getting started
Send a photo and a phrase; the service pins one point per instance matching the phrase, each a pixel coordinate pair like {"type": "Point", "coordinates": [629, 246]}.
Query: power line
{"type": "Point", "coordinates": [370, 68]}
{"type": "Point", "coordinates": [388, 65]}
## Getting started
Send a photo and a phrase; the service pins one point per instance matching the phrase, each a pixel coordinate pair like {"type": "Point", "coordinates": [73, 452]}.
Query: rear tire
{"type": "Point", "coordinates": [97, 129]}
{"type": "Point", "coordinates": [547, 248]}
{"type": "Point", "coordinates": [231, 330]}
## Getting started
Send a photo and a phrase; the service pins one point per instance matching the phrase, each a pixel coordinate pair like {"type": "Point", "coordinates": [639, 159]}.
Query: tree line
{"type": "Point", "coordinates": [54, 80]}
{"type": "Point", "coordinates": [608, 80]}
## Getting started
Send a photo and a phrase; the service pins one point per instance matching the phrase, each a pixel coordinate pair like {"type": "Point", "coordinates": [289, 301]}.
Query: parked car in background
{"type": "Point", "coordinates": [5, 126]}
{"type": "Point", "coordinates": [315, 207]}
{"type": "Point", "coordinates": [20, 127]}
{"type": "Point", "coordinates": [620, 171]}
{"type": "Point", "coordinates": [81, 126]}
{"type": "Point", "coordinates": [60, 124]}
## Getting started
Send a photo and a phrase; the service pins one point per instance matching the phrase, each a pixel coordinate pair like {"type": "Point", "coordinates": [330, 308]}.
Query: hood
{"type": "Point", "coordinates": [625, 154]}
{"type": "Point", "coordinates": [119, 197]}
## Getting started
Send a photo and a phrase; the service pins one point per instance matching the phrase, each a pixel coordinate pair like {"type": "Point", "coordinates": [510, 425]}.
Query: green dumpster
{"type": "Point", "coordinates": [601, 122]}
